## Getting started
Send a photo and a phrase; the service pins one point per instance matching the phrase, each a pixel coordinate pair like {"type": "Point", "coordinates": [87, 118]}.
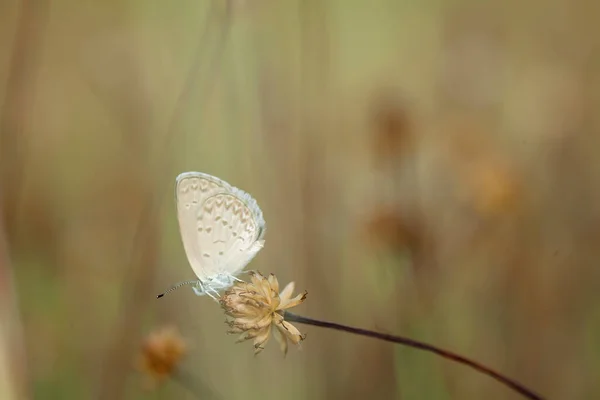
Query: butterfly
{"type": "Point", "coordinates": [222, 229]}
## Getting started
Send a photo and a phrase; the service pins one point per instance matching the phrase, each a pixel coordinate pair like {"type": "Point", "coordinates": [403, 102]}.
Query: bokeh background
{"type": "Point", "coordinates": [426, 168]}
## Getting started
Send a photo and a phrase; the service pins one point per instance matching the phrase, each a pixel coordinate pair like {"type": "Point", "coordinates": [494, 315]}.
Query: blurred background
{"type": "Point", "coordinates": [425, 168]}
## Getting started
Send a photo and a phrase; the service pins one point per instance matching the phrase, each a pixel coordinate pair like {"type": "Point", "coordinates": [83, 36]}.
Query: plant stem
{"type": "Point", "coordinates": [198, 388]}
{"type": "Point", "coordinates": [421, 346]}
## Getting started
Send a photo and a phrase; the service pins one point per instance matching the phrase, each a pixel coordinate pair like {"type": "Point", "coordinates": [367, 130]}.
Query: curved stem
{"type": "Point", "coordinates": [421, 346]}
{"type": "Point", "coordinates": [195, 386]}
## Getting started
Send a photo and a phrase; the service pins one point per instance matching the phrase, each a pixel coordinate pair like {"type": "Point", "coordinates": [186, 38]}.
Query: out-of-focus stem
{"type": "Point", "coordinates": [12, 353]}
{"type": "Point", "coordinates": [195, 385]}
{"type": "Point", "coordinates": [15, 117]}
{"type": "Point", "coordinates": [18, 102]}
{"type": "Point", "coordinates": [528, 393]}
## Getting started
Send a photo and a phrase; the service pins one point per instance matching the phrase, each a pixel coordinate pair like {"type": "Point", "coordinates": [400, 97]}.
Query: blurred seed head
{"type": "Point", "coordinates": [161, 352]}
{"type": "Point", "coordinates": [490, 184]}
{"type": "Point", "coordinates": [257, 308]}
{"type": "Point", "coordinates": [387, 228]}
{"type": "Point", "coordinates": [496, 191]}
{"type": "Point", "coordinates": [391, 126]}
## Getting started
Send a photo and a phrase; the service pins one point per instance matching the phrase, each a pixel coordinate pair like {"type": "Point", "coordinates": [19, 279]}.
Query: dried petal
{"type": "Point", "coordinates": [290, 331]}
{"type": "Point", "coordinates": [262, 339]}
{"type": "Point", "coordinates": [287, 291]}
{"type": "Point", "coordinates": [293, 302]}
{"type": "Point", "coordinates": [274, 283]}
{"type": "Point", "coordinates": [281, 339]}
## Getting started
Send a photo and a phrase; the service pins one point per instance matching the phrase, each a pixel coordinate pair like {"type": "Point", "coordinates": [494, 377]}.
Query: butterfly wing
{"type": "Point", "coordinates": [191, 191]}
{"type": "Point", "coordinates": [222, 227]}
{"type": "Point", "coordinates": [237, 231]}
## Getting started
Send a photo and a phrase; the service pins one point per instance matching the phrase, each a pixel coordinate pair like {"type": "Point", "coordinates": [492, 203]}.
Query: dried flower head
{"type": "Point", "coordinates": [257, 308]}
{"type": "Point", "coordinates": [161, 352]}
{"type": "Point", "coordinates": [392, 126]}
{"type": "Point", "coordinates": [488, 181]}
{"type": "Point", "coordinates": [389, 228]}
{"type": "Point", "coordinates": [496, 190]}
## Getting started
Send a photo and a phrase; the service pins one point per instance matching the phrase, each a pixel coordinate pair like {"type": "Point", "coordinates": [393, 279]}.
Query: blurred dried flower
{"type": "Point", "coordinates": [257, 308]}
{"type": "Point", "coordinates": [491, 185]}
{"type": "Point", "coordinates": [392, 126]}
{"type": "Point", "coordinates": [391, 230]}
{"type": "Point", "coordinates": [161, 352]}
{"type": "Point", "coordinates": [496, 190]}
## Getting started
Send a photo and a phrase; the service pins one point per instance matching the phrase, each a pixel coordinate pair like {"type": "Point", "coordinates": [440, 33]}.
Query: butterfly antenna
{"type": "Point", "coordinates": [177, 286]}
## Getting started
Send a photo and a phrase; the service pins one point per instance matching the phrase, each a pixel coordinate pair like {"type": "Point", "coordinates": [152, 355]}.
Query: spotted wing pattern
{"type": "Point", "coordinates": [222, 227]}
{"type": "Point", "coordinates": [228, 231]}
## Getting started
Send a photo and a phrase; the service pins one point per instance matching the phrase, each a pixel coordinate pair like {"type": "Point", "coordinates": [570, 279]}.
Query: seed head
{"type": "Point", "coordinates": [161, 352]}
{"type": "Point", "coordinates": [256, 308]}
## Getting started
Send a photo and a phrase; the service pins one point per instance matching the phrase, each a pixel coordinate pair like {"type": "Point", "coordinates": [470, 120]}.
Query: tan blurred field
{"type": "Point", "coordinates": [425, 168]}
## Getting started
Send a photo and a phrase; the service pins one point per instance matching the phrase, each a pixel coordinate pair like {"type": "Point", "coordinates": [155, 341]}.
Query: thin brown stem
{"type": "Point", "coordinates": [12, 349]}
{"type": "Point", "coordinates": [18, 103]}
{"type": "Point", "coordinates": [15, 127]}
{"type": "Point", "coordinates": [194, 385]}
{"type": "Point", "coordinates": [528, 393]}
{"type": "Point", "coordinates": [224, 23]}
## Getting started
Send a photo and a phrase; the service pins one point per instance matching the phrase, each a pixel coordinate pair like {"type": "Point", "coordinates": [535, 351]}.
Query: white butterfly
{"type": "Point", "coordinates": [222, 229]}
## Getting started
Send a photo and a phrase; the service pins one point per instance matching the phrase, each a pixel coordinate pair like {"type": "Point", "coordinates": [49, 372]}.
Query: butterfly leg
{"type": "Point", "coordinates": [214, 296]}
{"type": "Point", "coordinates": [199, 289]}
